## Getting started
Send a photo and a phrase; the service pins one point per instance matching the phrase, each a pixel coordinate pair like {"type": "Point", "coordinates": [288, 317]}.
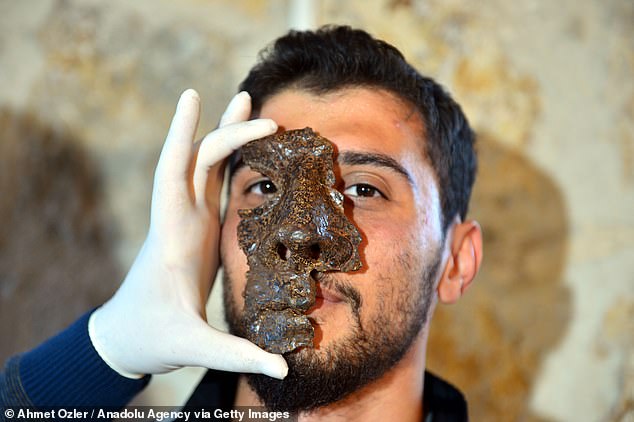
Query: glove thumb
{"type": "Point", "coordinates": [211, 348]}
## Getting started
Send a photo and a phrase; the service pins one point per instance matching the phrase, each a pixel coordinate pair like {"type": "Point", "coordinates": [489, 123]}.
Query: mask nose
{"type": "Point", "coordinates": [323, 243]}
{"type": "Point", "coordinates": [295, 242]}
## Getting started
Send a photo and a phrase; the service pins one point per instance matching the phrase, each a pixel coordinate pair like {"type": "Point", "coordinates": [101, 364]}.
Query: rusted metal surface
{"type": "Point", "coordinates": [299, 231]}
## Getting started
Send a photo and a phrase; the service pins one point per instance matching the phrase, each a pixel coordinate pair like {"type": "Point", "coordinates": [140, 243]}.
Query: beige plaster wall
{"type": "Point", "coordinates": [87, 89]}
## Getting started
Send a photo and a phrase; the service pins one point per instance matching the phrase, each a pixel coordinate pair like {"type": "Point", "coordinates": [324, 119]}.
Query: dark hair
{"type": "Point", "coordinates": [336, 57]}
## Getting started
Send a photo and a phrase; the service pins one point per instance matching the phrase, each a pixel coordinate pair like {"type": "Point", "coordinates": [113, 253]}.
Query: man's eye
{"type": "Point", "coordinates": [262, 187]}
{"type": "Point", "coordinates": [363, 190]}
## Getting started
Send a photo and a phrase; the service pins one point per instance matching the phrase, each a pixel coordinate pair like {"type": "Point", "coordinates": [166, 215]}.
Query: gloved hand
{"type": "Point", "coordinates": [156, 321]}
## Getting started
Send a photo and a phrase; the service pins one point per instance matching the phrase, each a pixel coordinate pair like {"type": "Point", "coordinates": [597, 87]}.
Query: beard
{"type": "Point", "coordinates": [317, 378]}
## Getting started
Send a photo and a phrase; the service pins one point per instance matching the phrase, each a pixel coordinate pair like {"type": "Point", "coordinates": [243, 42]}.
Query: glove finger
{"type": "Point", "coordinates": [215, 349]}
{"type": "Point", "coordinates": [170, 178]}
{"type": "Point", "coordinates": [220, 143]}
{"type": "Point", "coordinates": [238, 110]}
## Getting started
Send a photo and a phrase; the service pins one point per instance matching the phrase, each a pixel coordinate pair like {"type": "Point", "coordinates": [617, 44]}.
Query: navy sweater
{"type": "Point", "coordinates": [65, 371]}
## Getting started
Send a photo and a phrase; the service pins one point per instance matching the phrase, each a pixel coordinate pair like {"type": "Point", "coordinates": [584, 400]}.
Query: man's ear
{"type": "Point", "coordinates": [463, 262]}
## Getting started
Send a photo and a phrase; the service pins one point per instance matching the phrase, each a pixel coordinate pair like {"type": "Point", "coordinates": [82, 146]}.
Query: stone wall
{"type": "Point", "coordinates": [546, 333]}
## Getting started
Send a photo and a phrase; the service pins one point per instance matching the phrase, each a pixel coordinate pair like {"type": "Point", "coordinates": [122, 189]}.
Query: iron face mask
{"type": "Point", "coordinates": [298, 231]}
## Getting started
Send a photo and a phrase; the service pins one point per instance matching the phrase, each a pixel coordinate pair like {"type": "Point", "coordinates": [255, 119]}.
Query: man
{"type": "Point", "coordinates": [404, 160]}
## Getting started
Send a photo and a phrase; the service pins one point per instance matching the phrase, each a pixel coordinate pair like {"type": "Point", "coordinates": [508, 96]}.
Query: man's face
{"type": "Point", "coordinates": [366, 320]}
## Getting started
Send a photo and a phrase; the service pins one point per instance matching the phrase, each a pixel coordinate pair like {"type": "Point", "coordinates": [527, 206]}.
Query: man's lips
{"type": "Point", "coordinates": [330, 292]}
{"type": "Point", "coordinates": [322, 290]}
{"type": "Point", "coordinates": [327, 295]}
{"type": "Point", "coordinates": [324, 299]}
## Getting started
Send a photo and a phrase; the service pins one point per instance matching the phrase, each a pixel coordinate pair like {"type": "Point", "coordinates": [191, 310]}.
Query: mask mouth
{"type": "Point", "coordinates": [280, 331]}
{"type": "Point", "coordinates": [279, 297]}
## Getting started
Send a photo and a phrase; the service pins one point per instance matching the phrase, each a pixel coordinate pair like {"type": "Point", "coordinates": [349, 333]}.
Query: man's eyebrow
{"type": "Point", "coordinates": [351, 158]}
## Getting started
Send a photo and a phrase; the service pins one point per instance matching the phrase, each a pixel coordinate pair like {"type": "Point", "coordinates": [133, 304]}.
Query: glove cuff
{"type": "Point", "coordinates": [100, 350]}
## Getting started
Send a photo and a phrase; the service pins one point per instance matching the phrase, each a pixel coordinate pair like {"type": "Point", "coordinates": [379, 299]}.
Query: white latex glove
{"type": "Point", "coordinates": [156, 321]}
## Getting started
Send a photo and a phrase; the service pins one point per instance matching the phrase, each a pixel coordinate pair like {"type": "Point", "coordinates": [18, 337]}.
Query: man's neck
{"type": "Point", "coordinates": [397, 395]}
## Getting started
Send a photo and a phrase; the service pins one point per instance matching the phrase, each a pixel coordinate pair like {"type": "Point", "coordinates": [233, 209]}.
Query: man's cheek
{"type": "Point", "coordinates": [238, 297]}
{"type": "Point", "coordinates": [233, 261]}
{"type": "Point", "coordinates": [229, 248]}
